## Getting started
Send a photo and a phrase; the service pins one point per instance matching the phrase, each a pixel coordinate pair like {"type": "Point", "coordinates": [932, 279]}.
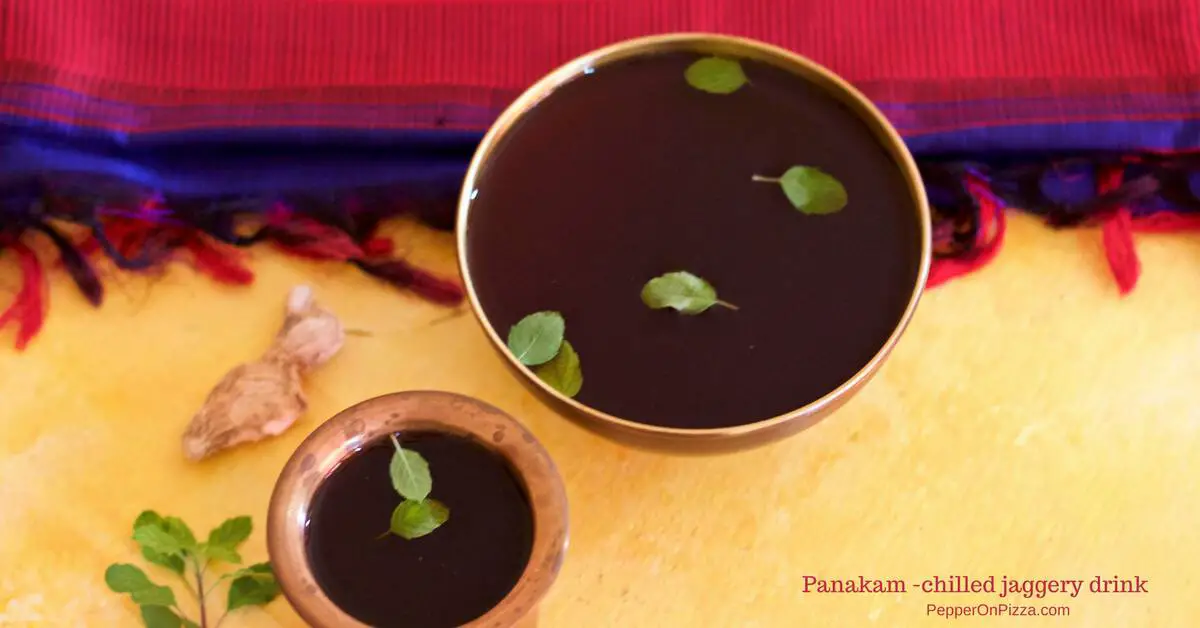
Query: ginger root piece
{"type": "Point", "coordinates": [264, 398]}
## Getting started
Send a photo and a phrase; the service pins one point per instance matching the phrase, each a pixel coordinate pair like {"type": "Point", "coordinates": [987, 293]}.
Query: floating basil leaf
{"type": "Point", "coordinates": [715, 75]}
{"type": "Point", "coordinates": [410, 473]}
{"type": "Point", "coordinates": [810, 190]}
{"type": "Point", "coordinates": [536, 338]}
{"type": "Point", "coordinates": [681, 291]}
{"type": "Point", "coordinates": [414, 519]}
{"type": "Point", "coordinates": [563, 373]}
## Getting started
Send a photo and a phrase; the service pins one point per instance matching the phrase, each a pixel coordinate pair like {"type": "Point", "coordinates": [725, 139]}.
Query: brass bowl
{"type": "Point", "coordinates": [343, 435]}
{"type": "Point", "coordinates": [681, 440]}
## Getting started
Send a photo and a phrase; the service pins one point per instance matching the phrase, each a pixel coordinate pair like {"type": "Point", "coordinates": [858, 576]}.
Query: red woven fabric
{"type": "Point", "coordinates": [481, 52]}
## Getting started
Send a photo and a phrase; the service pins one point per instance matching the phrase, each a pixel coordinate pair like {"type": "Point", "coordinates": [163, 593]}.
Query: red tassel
{"type": "Point", "coordinates": [986, 245]}
{"type": "Point", "coordinates": [305, 237]}
{"type": "Point", "coordinates": [378, 247]}
{"type": "Point", "coordinates": [28, 308]}
{"type": "Point", "coordinates": [134, 238]}
{"type": "Point", "coordinates": [1119, 249]}
{"type": "Point", "coordinates": [401, 274]}
{"type": "Point", "coordinates": [222, 263]}
{"type": "Point", "coordinates": [1118, 236]}
{"type": "Point", "coordinates": [1166, 222]}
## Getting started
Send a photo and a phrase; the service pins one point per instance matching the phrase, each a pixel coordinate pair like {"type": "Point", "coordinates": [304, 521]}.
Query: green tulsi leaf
{"type": "Point", "coordinates": [219, 553]}
{"type": "Point", "coordinates": [125, 578]}
{"type": "Point", "coordinates": [161, 617]}
{"type": "Point", "coordinates": [715, 75]}
{"type": "Point", "coordinates": [169, 542]}
{"type": "Point", "coordinates": [257, 570]}
{"type": "Point", "coordinates": [148, 517]}
{"type": "Point", "coordinates": [414, 519]}
{"type": "Point", "coordinates": [681, 291]}
{"type": "Point", "coordinates": [563, 373]}
{"type": "Point", "coordinates": [154, 596]}
{"type": "Point", "coordinates": [158, 540]}
{"type": "Point", "coordinates": [231, 533]}
{"type": "Point", "coordinates": [810, 190]}
{"type": "Point", "coordinates": [410, 473]}
{"type": "Point", "coordinates": [182, 533]}
{"type": "Point", "coordinates": [537, 338]}
{"type": "Point", "coordinates": [172, 562]}
{"type": "Point", "coordinates": [255, 587]}
{"type": "Point", "coordinates": [224, 540]}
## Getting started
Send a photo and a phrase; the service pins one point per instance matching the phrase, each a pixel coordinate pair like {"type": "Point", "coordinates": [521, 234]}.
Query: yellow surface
{"type": "Point", "coordinates": [1031, 424]}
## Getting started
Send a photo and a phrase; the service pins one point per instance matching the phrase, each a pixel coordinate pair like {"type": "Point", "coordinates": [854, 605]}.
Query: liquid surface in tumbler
{"type": "Point", "coordinates": [445, 579]}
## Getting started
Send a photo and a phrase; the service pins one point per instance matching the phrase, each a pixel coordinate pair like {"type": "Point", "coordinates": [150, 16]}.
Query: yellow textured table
{"type": "Point", "coordinates": [1030, 425]}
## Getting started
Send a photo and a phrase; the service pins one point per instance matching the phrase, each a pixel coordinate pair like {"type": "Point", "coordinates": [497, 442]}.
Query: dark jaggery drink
{"type": "Point", "coordinates": [451, 576]}
{"type": "Point", "coordinates": [628, 172]}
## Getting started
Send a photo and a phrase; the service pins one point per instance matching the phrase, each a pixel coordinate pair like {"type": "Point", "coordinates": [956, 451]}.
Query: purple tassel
{"type": "Point", "coordinates": [76, 264]}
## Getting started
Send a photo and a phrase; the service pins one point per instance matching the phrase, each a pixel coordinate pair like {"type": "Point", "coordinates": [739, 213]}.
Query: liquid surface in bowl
{"type": "Point", "coordinates": [449, 577]}
{"type": "Point", "coordinates": [629, 172]}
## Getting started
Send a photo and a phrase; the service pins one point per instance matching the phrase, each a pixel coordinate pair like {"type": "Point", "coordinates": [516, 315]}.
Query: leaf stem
{"type": "Point", "coordinates": [200, 588]}
{"type": "Point", "coordinates": [726, 304]}
{"type": "Point", "coordinates": [219, 581]}
{"type": "Point", "coordinates": [188, 585]}
{"type": "Point", "coordinates": [761, 179]}
{"type": "Point", "coordinates": [179, 611]}
{"type": "Point", "coordinates": [221, 619]}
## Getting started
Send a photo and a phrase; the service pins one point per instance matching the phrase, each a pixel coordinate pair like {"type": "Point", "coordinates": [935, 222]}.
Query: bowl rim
{"type": "Point", "coordinates": [711, 43]}
{"type": "Point", "coordinates": [347, 432]}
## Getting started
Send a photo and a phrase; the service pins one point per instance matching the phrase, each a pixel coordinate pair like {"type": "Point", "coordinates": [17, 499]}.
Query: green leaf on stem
{"type": "Point", "coordinates": [256, 587]}
{"type": "Point", "coordinates": [231, 533]}
{"type": "Point", "coordinates": [257, 570]}
{"type": "Point", "coordinates": [158, 540]}
{"type": "Point", "coordinates": [162, 617]}
{"type": "Point", "coordinates": [182, 533]}
{"type": "Point", "coordinates": [172, 562]}
{"type": "Point", "coordinates": [125, 578]}
{"type": "Point", "coordinates": [219, 553]}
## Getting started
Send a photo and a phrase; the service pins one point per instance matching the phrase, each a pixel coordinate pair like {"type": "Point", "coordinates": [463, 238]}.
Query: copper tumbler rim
{"type": "Point", "coordinates": [348, 431]}
{"type": "Point", "coordinates": [701, 440]}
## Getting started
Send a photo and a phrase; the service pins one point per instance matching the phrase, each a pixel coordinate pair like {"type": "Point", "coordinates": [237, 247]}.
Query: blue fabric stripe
{"type": "Point", "coordinates": [264, 161]}
{"type": "Point", "coordinates": [1167, 135]}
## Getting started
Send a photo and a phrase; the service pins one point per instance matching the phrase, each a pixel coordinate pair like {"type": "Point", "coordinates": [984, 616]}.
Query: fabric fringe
{"type": "Point", "coordinates": [1123, 194]}
{"type": "Point", "coordinates": [140, 231]}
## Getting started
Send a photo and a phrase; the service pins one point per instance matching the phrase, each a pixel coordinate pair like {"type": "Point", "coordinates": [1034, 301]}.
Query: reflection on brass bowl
{"type": "Point", "coordinates": [489, 564]}
{"type": "Point", "coordinates": [614, 169]}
